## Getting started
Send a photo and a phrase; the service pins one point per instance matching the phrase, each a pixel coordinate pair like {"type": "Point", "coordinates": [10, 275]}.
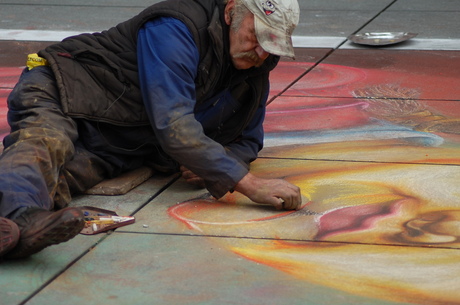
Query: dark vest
{"type": "Point", "coordinates": [97, 74]}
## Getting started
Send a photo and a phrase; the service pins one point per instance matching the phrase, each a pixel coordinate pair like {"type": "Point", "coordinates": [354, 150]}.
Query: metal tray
{"type": "Point", "coordinates": [381, 38]}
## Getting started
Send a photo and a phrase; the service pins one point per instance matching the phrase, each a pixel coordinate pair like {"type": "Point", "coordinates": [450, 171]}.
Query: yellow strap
{"type": "Point", "coordinates": [33, 60]}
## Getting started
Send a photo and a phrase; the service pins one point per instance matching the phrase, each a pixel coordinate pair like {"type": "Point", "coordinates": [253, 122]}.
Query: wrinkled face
{"type": "Point", "coordinates": [245, 50]}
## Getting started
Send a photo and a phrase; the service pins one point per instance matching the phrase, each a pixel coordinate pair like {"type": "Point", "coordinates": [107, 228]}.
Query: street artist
{"type": "Point", "coordinates": [180, 87]}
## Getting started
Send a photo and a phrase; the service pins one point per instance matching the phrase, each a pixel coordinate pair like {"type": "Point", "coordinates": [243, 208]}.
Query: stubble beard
{"type": "Point", "coordinates": [250, 56]}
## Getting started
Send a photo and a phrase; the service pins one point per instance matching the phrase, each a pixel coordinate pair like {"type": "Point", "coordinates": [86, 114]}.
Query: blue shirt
{"type": "Point", "coordinates": [168, 61]}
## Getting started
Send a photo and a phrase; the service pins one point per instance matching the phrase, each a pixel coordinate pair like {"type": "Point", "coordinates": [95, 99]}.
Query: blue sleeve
{"type": "Point", "coordinates": [247, 147]}
{"type": "Point", "coordinates": [168, 59]}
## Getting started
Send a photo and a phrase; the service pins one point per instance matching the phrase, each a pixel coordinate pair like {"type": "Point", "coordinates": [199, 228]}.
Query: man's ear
{"type": "Point", "coordinates": [228, 13]}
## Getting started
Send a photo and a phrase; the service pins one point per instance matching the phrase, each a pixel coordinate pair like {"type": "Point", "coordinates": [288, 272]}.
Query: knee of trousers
{"type": "Point", "coordinates": [35, 103]}
{"type": "Point", "coordinates": [35, 88]}
{"type": "Point", "coordinates": [40, 140]}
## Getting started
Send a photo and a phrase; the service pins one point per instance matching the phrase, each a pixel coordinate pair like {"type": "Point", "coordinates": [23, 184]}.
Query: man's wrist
{"type": "Point", "coordinates": [243, 186]}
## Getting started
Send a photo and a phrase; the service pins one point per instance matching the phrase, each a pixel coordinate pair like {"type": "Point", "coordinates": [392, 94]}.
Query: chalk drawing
{"type": "Point", "coordinates": [378, 169]}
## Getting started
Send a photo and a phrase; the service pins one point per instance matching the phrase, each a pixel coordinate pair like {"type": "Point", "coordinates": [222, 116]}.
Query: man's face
{"type": "Point", "coordinates": [245, 50]}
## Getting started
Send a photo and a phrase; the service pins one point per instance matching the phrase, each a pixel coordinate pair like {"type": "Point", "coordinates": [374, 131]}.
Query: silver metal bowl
{"type": "Point", "coordinates": [380, 38]}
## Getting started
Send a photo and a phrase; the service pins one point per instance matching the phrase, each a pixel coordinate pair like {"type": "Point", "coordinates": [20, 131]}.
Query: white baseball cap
{"type": "Point", "coordinates": [274, 21]}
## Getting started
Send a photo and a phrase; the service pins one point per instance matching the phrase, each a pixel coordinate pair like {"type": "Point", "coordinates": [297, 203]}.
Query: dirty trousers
{"type": "Point", "coordinates": [43, 162]}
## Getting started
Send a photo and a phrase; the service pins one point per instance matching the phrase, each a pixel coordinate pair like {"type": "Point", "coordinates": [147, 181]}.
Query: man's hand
{"type": "Point", "coordinates": [277, 192]}
{"type": "Point", "coordinates": [191, 178]}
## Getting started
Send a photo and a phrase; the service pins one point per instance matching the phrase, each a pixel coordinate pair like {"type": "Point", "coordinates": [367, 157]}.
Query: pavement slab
{"type": "Point", "coordinates": [14, 53]}
{"type": "Point", "coordinates": [332, 22]}
{"type": "Point", "coordinates": [338, 5]}
{"type": "Point", "coordinates": [20, 279]}
{"type": "Point", "coordinates": [158, 269]}
{"type": "Point", "coordinates": [287, 72]}
{"type": "Point", "coordinates": [399, 20]}
{"type": "Point", "coordinates": [336, 18]}
{"type": "Point", "coordinates": [349, 202]}
{"type": "Point", "coordinates": [131, 202]}
{"type": "Point", "coordinates": [361, 129]}
{"type": "Point", "coordinates": [64, 18]}
{"type": "Point", "coordinates": [425, 5]}
{"type": "Point", "coordinates": [400, 74]}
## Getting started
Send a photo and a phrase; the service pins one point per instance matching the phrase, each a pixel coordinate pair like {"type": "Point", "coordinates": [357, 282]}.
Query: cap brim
{"type": "Point", "coordinates": [273, 40]}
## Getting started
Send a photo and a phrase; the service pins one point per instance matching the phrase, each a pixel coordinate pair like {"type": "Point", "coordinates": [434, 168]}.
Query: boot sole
{"type": "Point", "coordinates": [59, 231]}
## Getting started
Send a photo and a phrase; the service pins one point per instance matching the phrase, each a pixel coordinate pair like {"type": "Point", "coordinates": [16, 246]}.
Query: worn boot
{"type": "Point", "coordinates": [9, 235]}
{"type": "Point", "coordinates": [41, 228]}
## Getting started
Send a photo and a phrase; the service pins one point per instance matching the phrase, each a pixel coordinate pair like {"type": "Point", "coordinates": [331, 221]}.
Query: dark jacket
{"type": "Point", "coordinates": [97, 73]}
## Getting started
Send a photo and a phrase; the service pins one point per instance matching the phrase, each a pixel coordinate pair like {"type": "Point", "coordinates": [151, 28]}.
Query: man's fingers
{"type": "Point", "coordinates": [191, 178]}
{"type": "Point", "coordinates": [279, 204]}
{"type": "Point", "coordinates": [288, 204]}
{"type": "Point", "coordinates": [276, 192]}
{"type": "Point", "coordinates": [187, 174]}
{"type": "Point", "coordinates": [292, 200]}
{"type": "Point", "coordinates": [196, 181]}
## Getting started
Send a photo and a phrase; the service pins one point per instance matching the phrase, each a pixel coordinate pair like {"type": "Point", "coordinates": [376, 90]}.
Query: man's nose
{"type": "Point", "coordinates": [261, 53]}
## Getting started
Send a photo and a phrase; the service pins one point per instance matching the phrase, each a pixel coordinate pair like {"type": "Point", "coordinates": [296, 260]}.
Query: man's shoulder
{"type": "Point", "coordinates": [198, 11]}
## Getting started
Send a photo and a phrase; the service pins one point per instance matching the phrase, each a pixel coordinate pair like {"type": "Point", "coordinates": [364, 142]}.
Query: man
{"type": "Point", "coordinates": [183, 85]}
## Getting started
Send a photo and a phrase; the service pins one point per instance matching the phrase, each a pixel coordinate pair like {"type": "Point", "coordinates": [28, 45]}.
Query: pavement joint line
{"type": "Point", "coordinates": [156, 194]}
{"type": "Point", "coordinates": [288, 239]}
{"type": "Point", "coordinates": [319, 61]}
{"type": "Point", "coordinates": [358, 161]}
{"type": "Point", "coordinates": [375, 17]}
{"type": "Point", "coordinates": [335, 42]}
{"type": "Point", "coordinates": [74, 5]}
{"type": "Point", "coordinates": [37, 35]}
{"type": "Point", "coordinates": [341, 97]}
{"type": "Point", "coordinates": [67, 267]}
